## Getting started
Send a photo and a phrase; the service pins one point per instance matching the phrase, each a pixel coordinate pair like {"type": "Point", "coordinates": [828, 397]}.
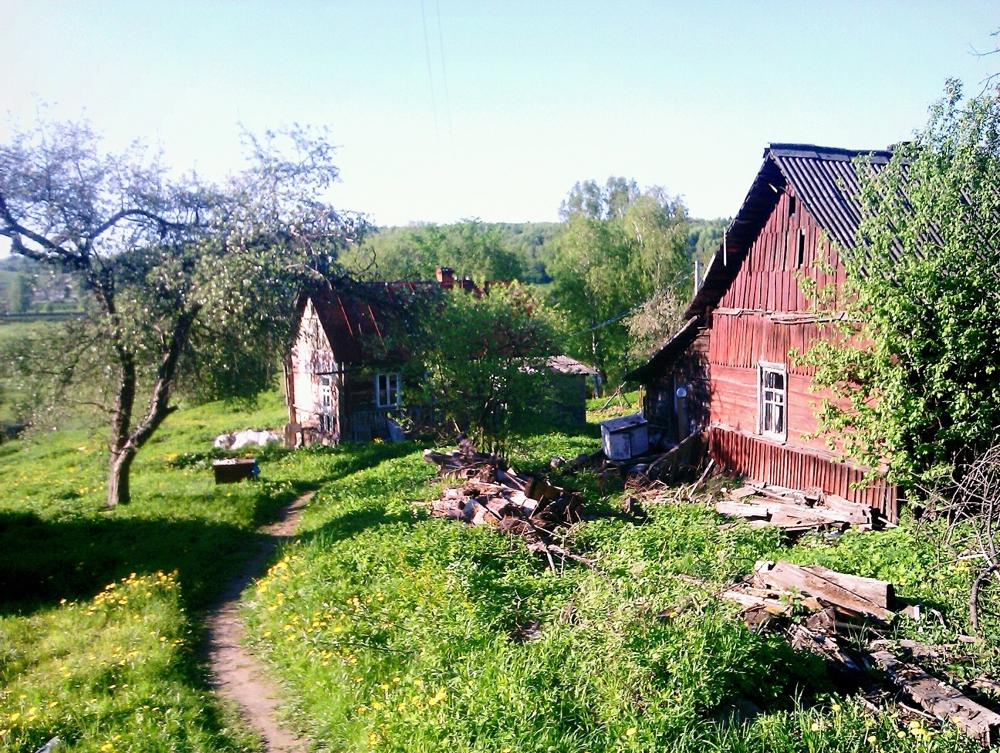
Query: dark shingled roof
{"type": "Point", "coordinates": [826, 182]}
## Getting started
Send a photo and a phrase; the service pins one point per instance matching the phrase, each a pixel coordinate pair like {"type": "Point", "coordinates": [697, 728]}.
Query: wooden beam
{"type": "Point", "coordinates": [942, 700]}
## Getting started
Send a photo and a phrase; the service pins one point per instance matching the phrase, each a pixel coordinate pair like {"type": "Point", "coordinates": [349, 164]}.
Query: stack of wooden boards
{"type": "Point", "coordinates": [796, 511]}
{"type": "Point", "coordinates": [838, 604]}
{"type": "Point", "coordinates": [494, 494]}
{"type": "Point", "coordinates": [497, 495]}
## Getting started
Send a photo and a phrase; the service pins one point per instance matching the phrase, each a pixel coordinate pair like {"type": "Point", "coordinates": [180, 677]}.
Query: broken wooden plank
{"type": "Point", "coordinates": [942, 700]}
{"type": "Point", "coordinates": [741, 509]}
{"type": "Point", "coordinates": [876, 591]}
{"type": "Point", "coordinates": [823, 645]}
{"type": "Point", "coordinates": [785, 575]}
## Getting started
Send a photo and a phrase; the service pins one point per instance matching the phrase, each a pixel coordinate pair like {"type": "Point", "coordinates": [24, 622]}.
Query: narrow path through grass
{"type": "Point", "coordinates": [235, 673]}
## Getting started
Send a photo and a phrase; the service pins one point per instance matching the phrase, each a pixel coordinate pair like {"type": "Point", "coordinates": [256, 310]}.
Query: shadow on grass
{"type": "Point", "coordinates": [351, 523]}
{"type": "Point", "coordinates": [345, 459]}
{"type": "Point", "coordinates": [44, 561]}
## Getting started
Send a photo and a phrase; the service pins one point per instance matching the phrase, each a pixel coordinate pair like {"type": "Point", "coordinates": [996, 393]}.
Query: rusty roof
{"type": "Point", "coordinates": [826, 182]}
{"type": "Point", "coordinates": [356, 320]}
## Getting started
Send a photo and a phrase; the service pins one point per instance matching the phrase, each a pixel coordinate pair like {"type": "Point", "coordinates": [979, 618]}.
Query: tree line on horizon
{"type": "Point", "coordinates": [617, 270]}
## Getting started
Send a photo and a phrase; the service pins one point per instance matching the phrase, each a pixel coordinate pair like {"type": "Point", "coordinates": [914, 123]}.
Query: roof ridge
{"type": "Point", "coordinates": [815, 151]}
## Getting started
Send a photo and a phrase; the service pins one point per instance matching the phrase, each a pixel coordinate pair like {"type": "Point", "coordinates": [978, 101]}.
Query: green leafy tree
{"type": "Point", "coordinates": [920, 390]}
{"type": "Point", "coordinates": [19, 292]}
{"type": "Point", "coordinates": [485, 359]}
{"type": "Point", "coordinates": [471, 248]}
{"type": "Point", "coordinates": [185, 283]}
{"type": "Point", "coordinates": [619, 248]}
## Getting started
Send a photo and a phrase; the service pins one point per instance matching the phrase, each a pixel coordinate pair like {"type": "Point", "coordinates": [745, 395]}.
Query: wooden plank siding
{"type": "Point", "coordinates": [798, 468]}
{"type": "Point", "coordinates": [767, 278]}
{"type": "Point", "coordinates": [751, 324]}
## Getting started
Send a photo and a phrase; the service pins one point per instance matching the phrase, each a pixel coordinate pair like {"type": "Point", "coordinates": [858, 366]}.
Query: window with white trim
{"type": "Point", "coordinates": [388, 390]}
{"type": "Point", "coordinates": [326, 404]}
{"type": "Point", "coordinates": [772, 400]}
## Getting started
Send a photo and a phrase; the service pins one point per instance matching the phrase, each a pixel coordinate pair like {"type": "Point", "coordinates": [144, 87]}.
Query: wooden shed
{"type": "Point", "coordinates": [728, 370]}
{"type": "Point", "coordinates": [344, 376]}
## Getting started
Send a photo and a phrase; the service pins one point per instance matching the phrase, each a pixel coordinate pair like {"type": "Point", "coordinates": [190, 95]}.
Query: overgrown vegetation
{"type": "Point", "coordinates": [397, 631]}
{"type": "Point", "coordinates": [920, 390]}
{"type": "Point", "coordinates": [98, 609]}
{"type": "Point", "coordinates": [185, 283]}
{"type": "Point", "coordinates": [620, 248]}
{"type": "Point", "coordinates": [484, 357]}
{"type": "Point", "coordinates": [617, 268]}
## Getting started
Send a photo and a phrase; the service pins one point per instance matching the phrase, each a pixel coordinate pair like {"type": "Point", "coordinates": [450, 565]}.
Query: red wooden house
{"type": "Point", "coordinates": [728, 370]}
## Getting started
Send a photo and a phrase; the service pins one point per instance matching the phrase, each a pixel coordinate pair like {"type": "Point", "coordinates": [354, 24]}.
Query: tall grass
{"type": "Point", "coordinates": [399, 632]}
{"type": "Point", "coordinates": [99, 609]}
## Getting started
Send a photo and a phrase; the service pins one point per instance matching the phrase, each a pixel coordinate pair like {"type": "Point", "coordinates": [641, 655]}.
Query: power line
{"type": "Point", "coordinates": [444, 72]}
{"type": "Point", "coordinates": [430, 74]}
{"type": "Point", "coordinates": [622, 315]}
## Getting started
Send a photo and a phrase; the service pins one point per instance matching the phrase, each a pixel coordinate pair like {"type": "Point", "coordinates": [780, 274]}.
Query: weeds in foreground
{"type": "Point", "coordinates": [112, 673]}
{"type": "Point", "coordinates": [398, 632]}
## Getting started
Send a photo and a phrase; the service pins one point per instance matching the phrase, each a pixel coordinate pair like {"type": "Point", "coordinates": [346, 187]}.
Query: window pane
{"type": "Point", "coordinates": [773, 396]}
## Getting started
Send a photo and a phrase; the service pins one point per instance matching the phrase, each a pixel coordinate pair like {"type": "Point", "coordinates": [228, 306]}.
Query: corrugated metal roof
{"type": "Point", "coordinates": [356, 320]}
{"type": "Point", "coordinates": [825, 180]}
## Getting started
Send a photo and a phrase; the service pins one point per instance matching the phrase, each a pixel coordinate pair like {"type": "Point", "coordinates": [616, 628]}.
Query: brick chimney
{"type": "Point", "coordinates": [446, 276]}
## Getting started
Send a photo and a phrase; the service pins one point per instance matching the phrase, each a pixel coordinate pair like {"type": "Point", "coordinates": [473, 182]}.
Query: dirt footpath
{"type": "Point", "coordinates": [236, 674]}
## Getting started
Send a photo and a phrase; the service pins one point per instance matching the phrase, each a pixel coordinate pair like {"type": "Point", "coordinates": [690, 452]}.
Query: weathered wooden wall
{"type": "Point", "coordinates": [767, 280]}
{"type": "Point", "coordinates": [672, 415]}
{"type": "Point", "coordinates": [310, 357]}
{"type": "Point", "coordinates": [798, 468]}
{"type": "Point", "coordinates": [762, 317]}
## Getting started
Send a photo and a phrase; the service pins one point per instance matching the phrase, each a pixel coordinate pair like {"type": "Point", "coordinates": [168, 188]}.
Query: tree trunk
{"type": "Point", "coordinates": [118, 477]}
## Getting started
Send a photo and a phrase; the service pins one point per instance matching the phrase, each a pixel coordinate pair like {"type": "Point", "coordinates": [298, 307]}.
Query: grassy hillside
{"type": "Point", "coordinates": [394, 631]}
{"type": "Point", "coordinates": [97, 626]}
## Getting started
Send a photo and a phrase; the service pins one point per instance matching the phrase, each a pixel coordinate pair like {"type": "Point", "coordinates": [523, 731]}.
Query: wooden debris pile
{"type": "Point", "coordinates": [778, 588]}
{"type": "Point", "coordinates": [828, 613]}
{"type": "Point", "coordinates": [494, 494]}
{"type": "Point", "coordinates": [941, 700]}
{"type": "Point", "coordinates": [797, 511]}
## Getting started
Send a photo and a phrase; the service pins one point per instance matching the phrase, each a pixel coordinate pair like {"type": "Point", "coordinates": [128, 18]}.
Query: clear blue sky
{"type": "Point", "coordinates": [448, 109]}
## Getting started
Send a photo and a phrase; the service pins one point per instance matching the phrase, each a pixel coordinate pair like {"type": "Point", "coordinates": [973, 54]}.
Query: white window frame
{"type": "Point", "coordinates": [391, 396]}
{"type": "Point", "coordinates": [775, 397]}
{"type": "Point", "coordinates": [326, 403]}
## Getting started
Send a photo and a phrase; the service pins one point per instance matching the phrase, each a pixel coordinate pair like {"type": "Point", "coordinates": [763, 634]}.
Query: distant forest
{"type": "Point", "coordinates": [26, 286]}
{"type": "Point", "coordinates": [497, 250]}
{"type": "Point", "coordinates": [617, 271]}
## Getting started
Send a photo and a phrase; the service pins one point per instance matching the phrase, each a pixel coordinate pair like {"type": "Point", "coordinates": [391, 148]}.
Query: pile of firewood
{"type": "Point", "coordinates": [492, 493]}
{"type": "Point", "coordinates": [839, 606]}
{"type": "Point", "coordinates": [797, 511]}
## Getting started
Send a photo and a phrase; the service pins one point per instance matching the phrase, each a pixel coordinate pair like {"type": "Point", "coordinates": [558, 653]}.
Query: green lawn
{"type": "Point", "coordinates": [106, 663]}
{"type": "Point", "coordinates": [393, 631]}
